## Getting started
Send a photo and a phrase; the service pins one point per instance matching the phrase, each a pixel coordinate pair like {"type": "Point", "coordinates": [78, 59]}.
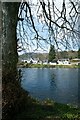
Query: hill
{"type": "Point", "coordinates": [43, 56]}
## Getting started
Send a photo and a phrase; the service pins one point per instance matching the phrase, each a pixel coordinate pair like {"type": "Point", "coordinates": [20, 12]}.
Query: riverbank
{"type": "Point", "coordinates": [19, 105]}
{"type": "Point", "coordinates": [26, 65]}
{"type": "Point", "coordinates": [47, 110]}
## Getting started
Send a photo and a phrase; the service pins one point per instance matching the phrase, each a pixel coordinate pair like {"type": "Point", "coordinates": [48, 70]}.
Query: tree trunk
{"type": "Point", "coordinates": [0, 61]}
{"type": "Point", "coordinates": [78, 56]}
{"type": "Point", "coordinates": [9, 45]}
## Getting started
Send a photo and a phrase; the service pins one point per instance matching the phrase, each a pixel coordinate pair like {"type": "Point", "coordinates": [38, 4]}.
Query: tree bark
{"type": "Point", "coordinates": [9, 44]}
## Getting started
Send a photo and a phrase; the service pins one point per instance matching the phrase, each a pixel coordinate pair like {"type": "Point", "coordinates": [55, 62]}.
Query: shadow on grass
{"type": "Point", "coordinates": [47, 110]}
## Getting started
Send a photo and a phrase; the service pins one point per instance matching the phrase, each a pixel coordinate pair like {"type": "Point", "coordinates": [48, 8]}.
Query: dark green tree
{"type": "Point", "coordinates": [52, 54]}
{"type": "Point", "coordinates": [79, 53]}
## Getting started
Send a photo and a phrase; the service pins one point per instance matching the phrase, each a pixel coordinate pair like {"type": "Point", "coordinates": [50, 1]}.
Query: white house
{"type": "Point", "coordinates": [33, 61]}
{"type": "Point", "coordinates": [63, 62]}
{"type": "Point", "coordinates": [52, 63]}
{"type": "Point", "coordinates": [45, 62]}
{"type": "Point", "coordinates": [75, 61]}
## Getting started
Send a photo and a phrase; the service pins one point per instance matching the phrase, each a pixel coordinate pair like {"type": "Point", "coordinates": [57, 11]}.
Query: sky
{"type": "Point", "coordinates": [44, 47]}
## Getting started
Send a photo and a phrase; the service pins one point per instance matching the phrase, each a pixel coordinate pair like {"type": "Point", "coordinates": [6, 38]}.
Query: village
{"type": "Point", "coordinates": [53, 58]}
{"type": "Point", "coordinates": [75, 61]}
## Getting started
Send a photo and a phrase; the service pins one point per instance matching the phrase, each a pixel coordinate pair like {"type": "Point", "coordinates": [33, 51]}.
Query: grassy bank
{"type": "Point", "coordinates": [47, 110]}
{"type": "Point", "coordinates": [46, 66]}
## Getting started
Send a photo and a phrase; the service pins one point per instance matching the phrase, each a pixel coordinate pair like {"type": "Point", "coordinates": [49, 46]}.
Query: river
{"type": "Point", "coordinates": [58, 84]}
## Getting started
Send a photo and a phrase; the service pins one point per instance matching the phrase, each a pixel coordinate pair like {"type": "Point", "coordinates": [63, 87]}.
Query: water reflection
{"type": "Point", "coordinates": [53, 81]}
{"type": "Point", "coordinates": [60, 85]}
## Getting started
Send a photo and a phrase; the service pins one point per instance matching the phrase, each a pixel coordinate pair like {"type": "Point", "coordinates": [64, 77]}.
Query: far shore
{"type": "Point", "coordinates": [26, 65]}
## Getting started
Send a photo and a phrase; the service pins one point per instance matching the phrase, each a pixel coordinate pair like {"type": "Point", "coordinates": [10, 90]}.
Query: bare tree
{"type": "Point", "coordinates": [32, 22]}
{"type": "Point", "coordinates": [37, 23]}
{"type": "Point", "coordinates": [9, 39]}
{"type": "Point", "coordinates": [60, 26]}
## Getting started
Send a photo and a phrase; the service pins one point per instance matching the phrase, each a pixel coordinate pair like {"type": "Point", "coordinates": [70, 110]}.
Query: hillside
{"type": "Point", "coordinates": [43, 56]}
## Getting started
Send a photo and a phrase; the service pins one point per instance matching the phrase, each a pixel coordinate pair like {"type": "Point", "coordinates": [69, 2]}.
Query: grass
{"type": "Point", "coordinates": [47, 66]}
{"type": "Point", "coordinates": [47, 110]}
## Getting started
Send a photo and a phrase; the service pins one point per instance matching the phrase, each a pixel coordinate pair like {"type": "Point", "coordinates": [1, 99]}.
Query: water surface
{"type": "Point", "coordinates": [59, 84]}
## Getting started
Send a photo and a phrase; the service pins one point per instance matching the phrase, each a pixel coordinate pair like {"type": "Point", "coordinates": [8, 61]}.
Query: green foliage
{"type": "Point", "coordinates": [43, 56]}
{"type": "Point", "coordinates": [28, 65]}
{"type": "Point", "coordinates": [48, 110]}
{"type": "Point", "coordinates": [52, 53]}
{"type": "Point", "coordinates": [64, 55]}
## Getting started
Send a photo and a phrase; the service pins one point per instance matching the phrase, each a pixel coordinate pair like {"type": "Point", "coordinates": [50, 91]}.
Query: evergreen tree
{"type": "Point", "coordinates": [52, 53]}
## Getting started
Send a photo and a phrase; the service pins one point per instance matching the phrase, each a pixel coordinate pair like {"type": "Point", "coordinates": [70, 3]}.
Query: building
{"type": "Point", "coordinates": [63, 62]}
{"type": "Point", "coordinates": [52, 63]}
{"type": "Point", "coordinates": [75, 61]}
